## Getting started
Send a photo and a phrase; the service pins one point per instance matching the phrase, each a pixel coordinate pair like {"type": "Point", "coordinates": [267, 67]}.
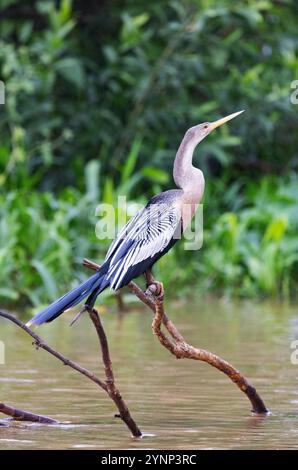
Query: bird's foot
{"type": "Point", "coordinates": [154, 288]}
{"type": "Point", "coordinates": [157, 290]}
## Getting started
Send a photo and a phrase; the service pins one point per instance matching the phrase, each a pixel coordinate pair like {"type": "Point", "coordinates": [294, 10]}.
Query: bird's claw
{"type": "Point", "coordinates": [157, 290]}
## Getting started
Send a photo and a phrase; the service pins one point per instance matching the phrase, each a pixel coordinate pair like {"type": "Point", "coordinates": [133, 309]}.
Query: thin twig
{"type": "Point", "coordinates": [113, 391]}
{"type": "Point", "coordinates": [108, 386]}
{"type": "Point", "coordinates": [40, 343]}
{"type": "Point", "coordinates": [21, 415]}
{"type": "Point", "coordinates": [181, 349]}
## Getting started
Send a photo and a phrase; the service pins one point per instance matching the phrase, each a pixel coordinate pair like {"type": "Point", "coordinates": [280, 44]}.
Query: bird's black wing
{"type": "Point", "coordinates": [146, 237]}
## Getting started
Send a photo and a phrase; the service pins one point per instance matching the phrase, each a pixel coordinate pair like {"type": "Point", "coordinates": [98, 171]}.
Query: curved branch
{"type": "Point", "coordinates": [181, 349]}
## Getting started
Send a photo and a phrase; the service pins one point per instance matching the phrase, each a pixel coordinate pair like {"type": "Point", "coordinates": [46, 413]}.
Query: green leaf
{"type": "Point", "coordinates": [157, 175]}
{"type": "Point", "coordinates": [72, 70]}
{"type": "Point", "coordinates": [47, 278]}
{"type": "Point", "coordinates": [108, 192]}
{"type": "Point", "coordinates": [92, 179]}
{"type": "Point", "coordinates": [7, 293]}
{"type": "Point", "coordinates": [275, 230]}
{"type": "Point", "coordinates": [130, 163]}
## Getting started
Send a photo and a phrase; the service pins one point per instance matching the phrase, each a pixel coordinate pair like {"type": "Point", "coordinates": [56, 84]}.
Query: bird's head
{"type": "Point", "coordinates": [199, 132]}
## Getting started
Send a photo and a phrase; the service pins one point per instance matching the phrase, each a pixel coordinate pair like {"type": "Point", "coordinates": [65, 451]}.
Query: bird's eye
{"type": "Point", "coordinates": [206, 126]}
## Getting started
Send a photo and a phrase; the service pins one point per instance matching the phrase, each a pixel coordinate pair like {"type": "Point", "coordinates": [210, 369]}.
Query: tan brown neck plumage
{"type": "Point", "coordinates": [188, 178]}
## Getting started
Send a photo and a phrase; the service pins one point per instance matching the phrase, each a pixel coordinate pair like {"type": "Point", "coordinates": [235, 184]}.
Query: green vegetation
{"type": "Point", "coordinates": [98, 96]}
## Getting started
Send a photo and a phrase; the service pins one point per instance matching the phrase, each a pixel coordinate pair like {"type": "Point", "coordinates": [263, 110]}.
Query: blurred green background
{"type": "Point", "coordinates": [98, 97]}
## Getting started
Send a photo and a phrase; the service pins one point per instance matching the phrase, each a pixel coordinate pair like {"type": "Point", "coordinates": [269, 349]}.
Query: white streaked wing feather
{"type": "Point", "coordinates": [151, 231]}
{"type": "Point", "coordinates": [121, 235]}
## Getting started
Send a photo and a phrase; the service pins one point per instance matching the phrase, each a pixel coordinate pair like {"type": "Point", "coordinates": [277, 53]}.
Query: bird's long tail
{"type": "Point", "coordinates": [91, 288]}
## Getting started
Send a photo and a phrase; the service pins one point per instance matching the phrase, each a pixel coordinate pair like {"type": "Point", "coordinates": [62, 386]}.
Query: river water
{"type": "Point", "coordinates": [178, 404]}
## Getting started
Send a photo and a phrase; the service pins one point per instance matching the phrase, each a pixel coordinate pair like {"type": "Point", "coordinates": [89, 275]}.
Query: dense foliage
{"type": "Point", "coordinates": [98, 96]}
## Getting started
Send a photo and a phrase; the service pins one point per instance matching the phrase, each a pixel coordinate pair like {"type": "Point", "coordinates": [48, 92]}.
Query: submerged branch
{"type": "Point", "coordinates": [181, 349]}
{"type": "Point", "coordinates": [21, 415]}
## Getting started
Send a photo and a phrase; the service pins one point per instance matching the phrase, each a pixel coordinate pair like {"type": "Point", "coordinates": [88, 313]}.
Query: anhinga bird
{"type": "Point", "coordinates": [149, 234]}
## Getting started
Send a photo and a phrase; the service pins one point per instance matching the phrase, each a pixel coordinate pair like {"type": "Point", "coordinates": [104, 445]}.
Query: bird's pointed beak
{"type": "Point", "coordinates": [219, 122]}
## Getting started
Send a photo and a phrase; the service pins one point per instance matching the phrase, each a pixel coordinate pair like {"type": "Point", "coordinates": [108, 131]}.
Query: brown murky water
{"type": "Point", "coordinates": [178, 404]}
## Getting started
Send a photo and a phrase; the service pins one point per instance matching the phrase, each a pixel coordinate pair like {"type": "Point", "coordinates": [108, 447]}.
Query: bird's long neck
{"type": "Point", "coordinates": [186, 176]}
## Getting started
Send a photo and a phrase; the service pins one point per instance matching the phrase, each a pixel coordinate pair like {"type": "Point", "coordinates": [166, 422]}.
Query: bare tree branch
{"type": "Point", "coordinates": [40, 343]}
{"type": "Point", "coordinates": [108, 386]}
{"type": "Point", "coordinates": [21, 415]}
{"type": "Point", "coordinates": [181, 349]}
{"type": "Point", "coordinates": [113, 391]}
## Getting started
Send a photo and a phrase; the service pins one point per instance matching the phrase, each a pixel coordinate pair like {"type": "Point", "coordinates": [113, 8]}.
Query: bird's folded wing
{"type": "Point", "coordinates": [148, 233]}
